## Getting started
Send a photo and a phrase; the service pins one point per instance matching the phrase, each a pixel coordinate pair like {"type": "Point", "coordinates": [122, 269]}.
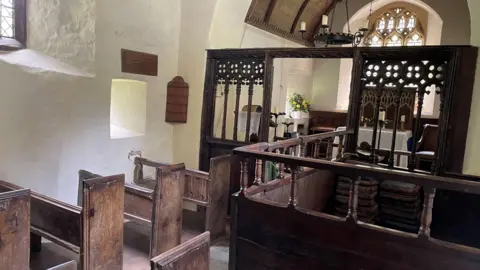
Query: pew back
{"type": "Point", "coordinates": [15, 229]}
{"type": "Point", "coordinates": [193, 254]}
{"type": "Point", "coordinates": [72, 265]}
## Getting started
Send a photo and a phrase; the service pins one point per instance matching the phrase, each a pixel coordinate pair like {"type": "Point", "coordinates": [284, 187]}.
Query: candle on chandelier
{"type": "Point", "coordinates": [366, 24]}
{"type": "Point", "coordinates": [325, 20]}
{"type": "Point", "coordinates": [382, 116]}
{"type": "Point", "coordinates": [275, 110]}
{"type": "Point", "coordinates": [303, 26]}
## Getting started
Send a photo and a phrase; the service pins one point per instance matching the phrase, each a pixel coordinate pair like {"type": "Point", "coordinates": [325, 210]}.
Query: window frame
{"type": "Point", "coordinates": [19, 40]}
{"type": "Point", "coordinates": [404, 38]}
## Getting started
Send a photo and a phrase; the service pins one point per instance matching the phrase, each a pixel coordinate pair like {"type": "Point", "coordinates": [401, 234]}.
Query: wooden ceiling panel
{"type": "Point", "coordinates": [283, 17]}
{"type": "Point", "coordinates": [284, 13]}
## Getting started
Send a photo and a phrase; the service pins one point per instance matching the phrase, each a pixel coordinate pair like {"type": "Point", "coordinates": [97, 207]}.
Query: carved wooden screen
{"type": "Point", "coordinates": [234, 79]}
{"type": "Point", "coordinates": [392, 86]}
{"type": "Point", "coordinates": [236, 105]}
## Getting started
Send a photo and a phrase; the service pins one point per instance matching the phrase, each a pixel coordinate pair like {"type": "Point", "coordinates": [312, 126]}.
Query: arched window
{"type": "Point", "coordinates": [396, 27]}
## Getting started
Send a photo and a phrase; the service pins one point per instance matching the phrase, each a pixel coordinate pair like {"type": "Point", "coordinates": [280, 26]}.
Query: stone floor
{"type": "Point", "coordinates": [135, 256]}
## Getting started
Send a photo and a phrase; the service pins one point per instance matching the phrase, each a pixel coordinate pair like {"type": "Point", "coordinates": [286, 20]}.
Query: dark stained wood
{"type": "Point", "coordinates": [72, 265]}
{"type": "Point", "coordinates": [177, 101]}
{"type": "Point", "coordinates": [15, 229]}
{"type": "Point", "coordinates": [139, 62]}
{"type": "Point", "coordinates": [191, 255]}
{"type": "Point", "coordinates": [264, 238]}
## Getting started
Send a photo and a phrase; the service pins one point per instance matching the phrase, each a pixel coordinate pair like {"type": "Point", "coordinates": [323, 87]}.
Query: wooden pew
{"type": "Point", "coordinates": [72, 265]}
{"type": "Point", "coordinates": [15, 229]}
{"type": "Point", "coordinates": [94, 231]}
{"type": "Point", "coordinates": [208, 190]}
{"type": "Point", "coordinates": [159, 208]}
{"type": "Point", "coordinates": [193, 254]}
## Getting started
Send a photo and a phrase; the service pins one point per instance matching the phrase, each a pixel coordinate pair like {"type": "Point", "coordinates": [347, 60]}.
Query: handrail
{"type": "Point", "coordinates": [326, 135]}
{"type": "Point", "coordinates": [356, 170]}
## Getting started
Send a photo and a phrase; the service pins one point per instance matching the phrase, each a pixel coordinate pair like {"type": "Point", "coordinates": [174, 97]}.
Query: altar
{"type": "Point", "coordinates": [401, 141]}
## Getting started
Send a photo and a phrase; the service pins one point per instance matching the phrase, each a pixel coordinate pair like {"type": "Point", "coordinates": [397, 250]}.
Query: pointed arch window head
{"type": "Point", "coordinates": [397, 27]}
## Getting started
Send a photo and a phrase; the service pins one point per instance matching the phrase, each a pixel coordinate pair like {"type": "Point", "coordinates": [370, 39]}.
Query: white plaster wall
{"type": "Point", "coordinates": [472, 154]}
{"type": "Point", "coordinates": [141, 25]}
{"type": "Point", "coordinates": [53, 124]}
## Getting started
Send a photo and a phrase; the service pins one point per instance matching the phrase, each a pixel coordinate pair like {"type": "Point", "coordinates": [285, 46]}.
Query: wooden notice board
{"type": "Point", "coordinates": [139, 63]}
{"type": "Point", "coordinates": [177, 101]}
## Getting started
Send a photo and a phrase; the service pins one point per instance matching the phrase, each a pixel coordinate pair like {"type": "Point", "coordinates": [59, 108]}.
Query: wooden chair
{"type": "Point", "coordinates": [93, 231]}
{"type": "Point", "coordinates": [207, 190]}
{"type": "Point", "coordinates": [193, 254]}
{"type": "Point", "coordinates": [159, 208]}
{"type": "Point", "coordinates": [427, 145]}
{"type": "Point", "coordinates": [14, 229]}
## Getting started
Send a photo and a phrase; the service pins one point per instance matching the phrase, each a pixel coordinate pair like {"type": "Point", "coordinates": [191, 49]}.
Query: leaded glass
{"type": "Point", "coordinates": [6, 18]}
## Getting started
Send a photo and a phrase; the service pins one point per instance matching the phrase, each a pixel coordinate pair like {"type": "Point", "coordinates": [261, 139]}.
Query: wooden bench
{"type": "Point", "coordinates": [72, 265]}
{"type": "Point", "coordinates": [193, 254]}
{"type": "Point", "coordinates": [159, 208]}
{"type": "Point", "coordinates": [94, 231]}
{"type": "Point", "coordinates": [15, 229]}
{"type": "Point", "coordinates": [208, 190]}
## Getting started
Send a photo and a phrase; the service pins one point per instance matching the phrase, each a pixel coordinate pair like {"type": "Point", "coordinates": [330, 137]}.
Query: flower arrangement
{"type": "Point", "coordinates": [299, 103]}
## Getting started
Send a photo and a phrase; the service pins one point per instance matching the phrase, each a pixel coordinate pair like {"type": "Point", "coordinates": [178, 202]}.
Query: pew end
{"type": "Point", "coordinates": [15, 229]}
{"type": "Point", "coordinates": [192, 254]}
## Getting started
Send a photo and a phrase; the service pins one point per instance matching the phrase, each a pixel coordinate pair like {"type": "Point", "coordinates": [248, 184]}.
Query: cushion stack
{"type": "Point", "coordinates": [399, 205]}
{"type": "Point", "coordinates": [367, 208]}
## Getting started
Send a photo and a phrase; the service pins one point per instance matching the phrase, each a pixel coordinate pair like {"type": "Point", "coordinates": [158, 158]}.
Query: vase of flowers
{"type": "Point", "coordinates": [299, 104]}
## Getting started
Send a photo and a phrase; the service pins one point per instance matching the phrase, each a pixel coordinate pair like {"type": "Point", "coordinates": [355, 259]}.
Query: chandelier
{"type": "Point", "coordinates": [326, 37]}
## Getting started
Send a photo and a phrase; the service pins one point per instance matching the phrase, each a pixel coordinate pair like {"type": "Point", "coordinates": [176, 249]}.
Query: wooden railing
{"type": "Point", "coordinates": [296, 147]}
{"type": "Point", "coordinates": [295, 162]}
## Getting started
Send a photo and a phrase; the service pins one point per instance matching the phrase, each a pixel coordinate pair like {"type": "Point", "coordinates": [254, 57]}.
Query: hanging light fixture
{"type": "Point", "coordinates": [326, 37]}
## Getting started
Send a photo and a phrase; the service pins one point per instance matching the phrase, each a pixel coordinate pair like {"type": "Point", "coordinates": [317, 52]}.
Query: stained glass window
{"type": "Point", "coordinates": [6, 18]}
{"type": "Point", "coordinates": [397, 27]}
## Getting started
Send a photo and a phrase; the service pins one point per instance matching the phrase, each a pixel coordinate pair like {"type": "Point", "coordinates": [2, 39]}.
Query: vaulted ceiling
{"type": "Point", "coordinates": [283, 17]}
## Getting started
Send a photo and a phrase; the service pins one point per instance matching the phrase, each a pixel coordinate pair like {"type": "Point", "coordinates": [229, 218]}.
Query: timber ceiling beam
{"type": "Point", "coordinates": [283, 17]}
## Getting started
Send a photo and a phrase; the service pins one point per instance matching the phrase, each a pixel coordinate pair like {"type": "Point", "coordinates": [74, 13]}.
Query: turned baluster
{"type": "Point", "coordinates": [353, 201]}
{"type": "Point", "coordinates": [292, 202]}
{"type": "Point", "coordinates": [281, 166]}
{"type": "Point", "coordinates": [340, 147]}
{"type": "Point", "coordinates": [316, 149]}
{"type": "Point", "coordinates": [426, 219]}
{"type": "Point", "coordinates": [258, 172]}
{"type": "Point", "coordinates": [302, 149]}
{"type": "Point", "coordinates": [243, 176]}
{"type": "Point", "coordinates": [329, 148]}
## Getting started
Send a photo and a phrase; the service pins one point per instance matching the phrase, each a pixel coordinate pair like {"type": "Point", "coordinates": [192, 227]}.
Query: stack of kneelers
{"type": "Point", "coordinates": [400, 205]}
{"type": "Point", "coordinates": [367, 206]}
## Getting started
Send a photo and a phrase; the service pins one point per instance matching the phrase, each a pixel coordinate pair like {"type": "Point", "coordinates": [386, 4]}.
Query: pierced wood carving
{"type": "Point", "coordinates": [177, 101]}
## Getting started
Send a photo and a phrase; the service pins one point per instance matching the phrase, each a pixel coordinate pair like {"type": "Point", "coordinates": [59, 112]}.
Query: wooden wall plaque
{"type": "Point", "coordinates": [177, 101]}
{"type": "Point", "coordinates": [139, 63]}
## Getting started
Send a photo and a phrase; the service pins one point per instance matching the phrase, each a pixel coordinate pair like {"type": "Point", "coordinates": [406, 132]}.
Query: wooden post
{"type": "Point", "coordinates": [353, 201]}
{"type": "Point", "coordinates": [340, 147]}
{"type": "Point", "coordinates": [243, 176]}
{"type": "Point", "coordinates": [225, 109]}
{"type": "Point", "coordinates": [316, 149]}
{"type": "Point", "coordinates": [426, 219]}
{"type": "Point", "coordinates": [292, 202]}
{"type": "Point", "coordinates": [258, 172]}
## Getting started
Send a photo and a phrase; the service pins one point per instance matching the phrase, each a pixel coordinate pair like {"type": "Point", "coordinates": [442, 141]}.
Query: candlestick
{"type": "Point", "coordinates": [402, 118]}
{"type": "Point", "coordinates": [324, 20]}
{"type": "Point", "coordinates": [303, 26]}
